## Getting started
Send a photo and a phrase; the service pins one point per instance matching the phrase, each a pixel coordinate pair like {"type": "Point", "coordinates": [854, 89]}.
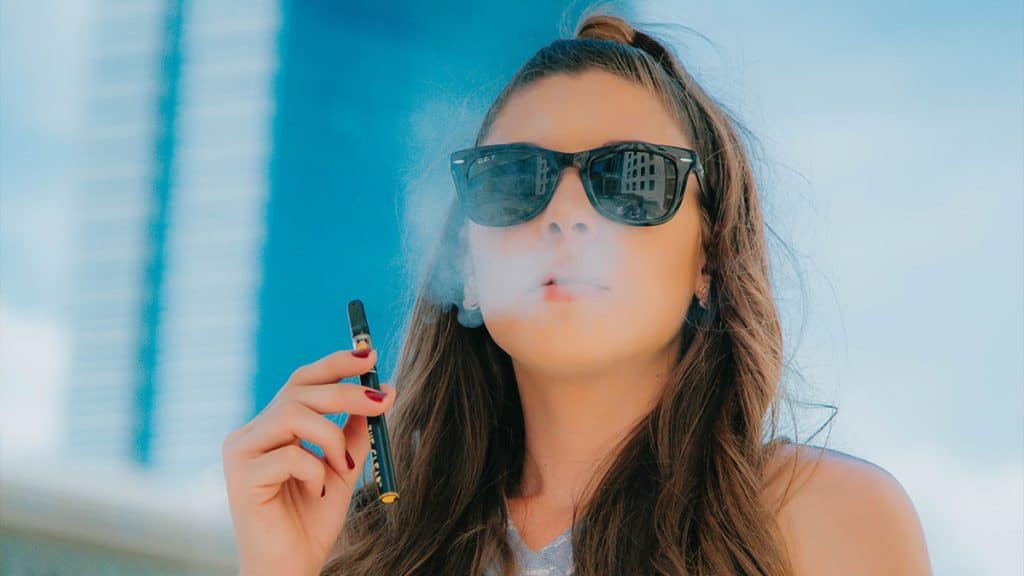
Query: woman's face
{"type": "Point", "coordinates": [645, 276]}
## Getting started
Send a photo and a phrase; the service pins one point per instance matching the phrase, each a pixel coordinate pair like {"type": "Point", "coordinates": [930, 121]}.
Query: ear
{"type": "Point", "coordinates": [704, 278]}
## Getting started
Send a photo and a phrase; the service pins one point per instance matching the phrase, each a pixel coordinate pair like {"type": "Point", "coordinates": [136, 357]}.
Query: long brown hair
{"type": "Point", "coordinates": [682, 493]}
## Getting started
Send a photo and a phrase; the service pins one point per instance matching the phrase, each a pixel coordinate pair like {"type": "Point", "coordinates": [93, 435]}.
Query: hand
{"type": "Point", "coordinates": [288, 506]}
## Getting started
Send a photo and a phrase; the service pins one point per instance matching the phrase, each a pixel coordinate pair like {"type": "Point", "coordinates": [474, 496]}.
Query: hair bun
{"type": "Point", "coordinates": [606, 27]}
{"type": "Point", "coordinates": [616, 29]}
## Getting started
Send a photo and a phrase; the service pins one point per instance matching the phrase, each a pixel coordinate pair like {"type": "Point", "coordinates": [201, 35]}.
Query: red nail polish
{"type": "Point", "coordinates": [365, 352]}
{"type": "Point", "coordinates": [348, 460]}
{"type": "Point", "coordinates": [375, 395]}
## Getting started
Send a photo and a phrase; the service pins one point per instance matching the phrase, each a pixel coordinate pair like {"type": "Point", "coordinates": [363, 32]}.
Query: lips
{"type": "Point", "coordinates": [569, 292]}
{"type": "Point", "coordinates": [571, 280]}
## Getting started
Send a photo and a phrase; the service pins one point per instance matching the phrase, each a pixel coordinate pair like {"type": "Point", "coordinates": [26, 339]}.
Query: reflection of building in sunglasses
{"type": "Point", "coordinates": [637, 185]}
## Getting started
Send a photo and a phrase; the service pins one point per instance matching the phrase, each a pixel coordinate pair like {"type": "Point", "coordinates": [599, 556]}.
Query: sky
{"type": "Point", "coordinates": [891, 161]}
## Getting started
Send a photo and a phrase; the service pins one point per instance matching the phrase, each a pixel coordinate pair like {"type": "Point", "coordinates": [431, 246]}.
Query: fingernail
{"type": "Point", "coordinates": [365, 352]}
{"type": "Point", "coordinates": [375, 395]}
{"type": "Point", "coordinates": [348, 460]}
{"type": "Point", "coordinates": [323, 491]}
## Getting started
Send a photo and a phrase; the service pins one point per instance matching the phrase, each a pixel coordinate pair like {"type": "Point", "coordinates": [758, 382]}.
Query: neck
{"type": "Point", "coordinates": [574, 419]}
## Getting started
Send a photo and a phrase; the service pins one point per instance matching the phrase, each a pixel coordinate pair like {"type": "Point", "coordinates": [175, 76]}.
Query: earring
{"type": "Point", "coordinates": [702, 296]}
{"type": "Point", "coordinates": [469, 313]}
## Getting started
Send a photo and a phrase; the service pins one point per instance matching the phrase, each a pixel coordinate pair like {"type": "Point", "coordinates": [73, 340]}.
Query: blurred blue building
{"type": "Point", "coordinates": [172, 227]}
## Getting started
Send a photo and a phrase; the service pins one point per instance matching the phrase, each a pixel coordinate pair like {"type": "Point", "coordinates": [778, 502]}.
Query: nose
{"type": "Point", "coordinates": [569, 209]}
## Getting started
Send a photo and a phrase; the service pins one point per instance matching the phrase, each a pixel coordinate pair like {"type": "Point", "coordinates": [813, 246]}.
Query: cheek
{"type": "Point", "coordinates": [655, 286]}
{"type": "Point", "coordinates": [659, 276]}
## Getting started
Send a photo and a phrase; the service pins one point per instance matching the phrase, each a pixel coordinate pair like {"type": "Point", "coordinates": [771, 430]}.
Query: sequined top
{"type": "Point", "coordinates": [555, 559]}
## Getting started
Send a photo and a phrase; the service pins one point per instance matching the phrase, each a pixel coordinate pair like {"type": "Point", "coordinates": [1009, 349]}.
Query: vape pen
{"type": "Point", "coordinates": [383, 469]}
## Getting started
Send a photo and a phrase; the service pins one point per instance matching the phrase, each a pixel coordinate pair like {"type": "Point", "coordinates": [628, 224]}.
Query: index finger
{"type": "Point", "coordinates": [332, 368]}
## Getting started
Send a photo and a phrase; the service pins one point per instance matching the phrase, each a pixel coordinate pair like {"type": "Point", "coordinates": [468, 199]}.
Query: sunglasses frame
{"type": "Point", "coordinates": [685, 160]}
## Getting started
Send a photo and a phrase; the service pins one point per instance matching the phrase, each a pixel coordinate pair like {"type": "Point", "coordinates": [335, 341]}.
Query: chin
{"type": "Point", "coordinates": [552, 342]}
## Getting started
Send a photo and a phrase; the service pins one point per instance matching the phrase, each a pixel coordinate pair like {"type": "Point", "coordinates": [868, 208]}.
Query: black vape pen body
{"type": "Point", "coordinates": [380, 449]}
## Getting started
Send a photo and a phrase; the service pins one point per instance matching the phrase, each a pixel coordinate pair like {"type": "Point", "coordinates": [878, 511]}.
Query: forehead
{"type": "Point", "coordinates": [584, 110]}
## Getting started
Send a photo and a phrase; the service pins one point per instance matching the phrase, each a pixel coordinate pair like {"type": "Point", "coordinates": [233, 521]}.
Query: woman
{"type": "Point", "coordinates": [595, 402]}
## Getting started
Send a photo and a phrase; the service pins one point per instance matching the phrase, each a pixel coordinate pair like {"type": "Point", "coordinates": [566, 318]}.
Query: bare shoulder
{"type": "Point", "coordinates": [843, 515]}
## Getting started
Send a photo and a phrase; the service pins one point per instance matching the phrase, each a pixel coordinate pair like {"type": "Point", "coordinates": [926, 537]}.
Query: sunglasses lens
{"type": "Point", "coordinates": [506, 187]}
{"type": "Point", "coordinates": [634, 187]}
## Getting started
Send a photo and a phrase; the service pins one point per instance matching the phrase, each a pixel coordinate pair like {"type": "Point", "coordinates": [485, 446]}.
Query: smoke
{"type": "Point", "coordinates": [431, 259]}
{"type": "Point", "coordinates": [504, 267]}
{"type": "Point", "coordinates": [510, 267]}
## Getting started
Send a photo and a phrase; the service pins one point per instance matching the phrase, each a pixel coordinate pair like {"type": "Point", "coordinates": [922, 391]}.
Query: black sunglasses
{"type": "Point", "coordinates": [633, 183]}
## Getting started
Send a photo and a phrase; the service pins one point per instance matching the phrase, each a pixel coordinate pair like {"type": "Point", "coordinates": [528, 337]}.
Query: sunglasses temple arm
{"type": "Point", "coordinates": [698, 169]}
